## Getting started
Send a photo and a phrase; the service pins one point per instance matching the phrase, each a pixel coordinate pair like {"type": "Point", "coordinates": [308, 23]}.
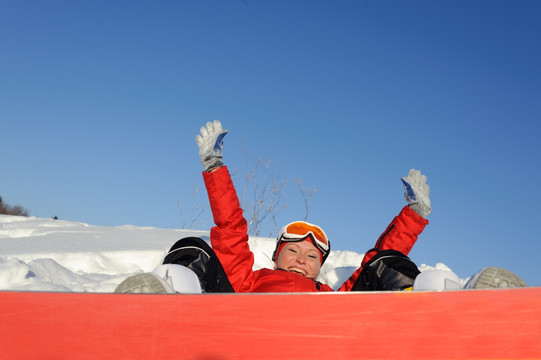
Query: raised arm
{"type": "Point", "coordinates": [229, 238]}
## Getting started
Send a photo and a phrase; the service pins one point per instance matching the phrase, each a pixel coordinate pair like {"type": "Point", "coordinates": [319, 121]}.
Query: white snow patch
{"type": "Point", "coordinates": [38, 254]}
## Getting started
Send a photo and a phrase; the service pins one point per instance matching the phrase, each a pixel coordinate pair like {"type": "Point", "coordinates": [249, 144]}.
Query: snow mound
{"type": "Point", "coordinates": [41, 254]}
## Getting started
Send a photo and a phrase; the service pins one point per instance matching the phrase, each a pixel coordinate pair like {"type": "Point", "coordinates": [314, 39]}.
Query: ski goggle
{"type": "Point", "coordinates": [300, 231]}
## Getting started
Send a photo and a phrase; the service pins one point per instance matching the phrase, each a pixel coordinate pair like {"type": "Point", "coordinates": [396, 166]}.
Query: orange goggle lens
{"type": "Point", "coordinates": [301, 229]}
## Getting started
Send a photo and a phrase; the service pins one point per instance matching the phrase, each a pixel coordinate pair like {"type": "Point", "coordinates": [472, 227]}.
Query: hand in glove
{"type": "Point", "coordinates": [416, 193]}
{"type": "Point", "coordinates": [211, 142]}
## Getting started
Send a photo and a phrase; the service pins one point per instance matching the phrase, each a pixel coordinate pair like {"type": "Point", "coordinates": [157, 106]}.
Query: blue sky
{"type": "Point", "coordinates": [100, 102]}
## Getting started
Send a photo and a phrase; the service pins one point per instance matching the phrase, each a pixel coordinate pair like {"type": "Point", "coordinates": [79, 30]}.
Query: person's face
{"type": "Point", "coordinates": [300, 257]}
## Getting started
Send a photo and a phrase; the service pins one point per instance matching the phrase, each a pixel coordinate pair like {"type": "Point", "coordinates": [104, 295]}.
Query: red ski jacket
{"type": "Point", "coordinates": [229, 239]}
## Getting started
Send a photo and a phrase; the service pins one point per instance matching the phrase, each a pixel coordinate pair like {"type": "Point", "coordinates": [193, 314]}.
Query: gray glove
{"type": "Point", "coordinates": [211, 142]}
{"type": "Point", "coordinates": [416, 193]}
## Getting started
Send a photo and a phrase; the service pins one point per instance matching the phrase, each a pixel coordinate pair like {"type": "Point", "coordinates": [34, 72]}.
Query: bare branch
{"type": "Point", "coordinates": [306, 194]}
{"type": "Point", "coordinates": [261, 193]}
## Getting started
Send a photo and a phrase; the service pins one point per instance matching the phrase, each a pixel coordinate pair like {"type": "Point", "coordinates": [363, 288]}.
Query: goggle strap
{"type": "Point", "coordinates": [295, 237]}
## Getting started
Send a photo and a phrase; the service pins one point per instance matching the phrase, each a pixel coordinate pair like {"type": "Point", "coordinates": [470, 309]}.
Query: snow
{"type": "Point", "coordinates": [42, 254]}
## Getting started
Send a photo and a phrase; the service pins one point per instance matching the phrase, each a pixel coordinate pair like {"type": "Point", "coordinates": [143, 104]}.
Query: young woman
{"type": "Point", "coordinates": [301, 247]}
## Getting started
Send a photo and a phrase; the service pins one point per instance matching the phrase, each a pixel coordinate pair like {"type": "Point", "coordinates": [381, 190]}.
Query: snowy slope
{"type": "Point", "coordinates": [42, 254]}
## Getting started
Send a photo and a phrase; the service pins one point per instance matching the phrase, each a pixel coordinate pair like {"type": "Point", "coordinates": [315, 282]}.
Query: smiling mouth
{"type": "Point", "coordinates": [297, 270]}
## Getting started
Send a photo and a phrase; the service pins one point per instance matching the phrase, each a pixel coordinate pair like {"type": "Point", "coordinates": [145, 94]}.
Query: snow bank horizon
{"type": "Point", "coordinates": [43, 254]}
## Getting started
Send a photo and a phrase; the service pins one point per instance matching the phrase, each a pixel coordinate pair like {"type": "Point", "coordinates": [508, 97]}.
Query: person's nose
{"type": "Point", "coordinates": [301, 258]}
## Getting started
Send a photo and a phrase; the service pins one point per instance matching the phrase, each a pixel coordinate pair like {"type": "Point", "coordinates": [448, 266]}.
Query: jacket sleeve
{"type": "Point", "coordinates": [400, 235]}
{"type": "Point", "coordinates": [229, 238]}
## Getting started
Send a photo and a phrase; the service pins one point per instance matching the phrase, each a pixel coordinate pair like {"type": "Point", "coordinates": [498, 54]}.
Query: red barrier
{"type": "Point", "coordinates": [472, 324]}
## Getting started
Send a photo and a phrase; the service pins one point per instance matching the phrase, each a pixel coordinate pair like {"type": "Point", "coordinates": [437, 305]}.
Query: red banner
{"type": "Point", "coordinates": [472, 324]}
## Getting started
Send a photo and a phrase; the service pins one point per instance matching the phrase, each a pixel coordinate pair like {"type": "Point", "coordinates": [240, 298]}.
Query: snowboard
{"type": "Point", "coordinates": [473, 324]}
